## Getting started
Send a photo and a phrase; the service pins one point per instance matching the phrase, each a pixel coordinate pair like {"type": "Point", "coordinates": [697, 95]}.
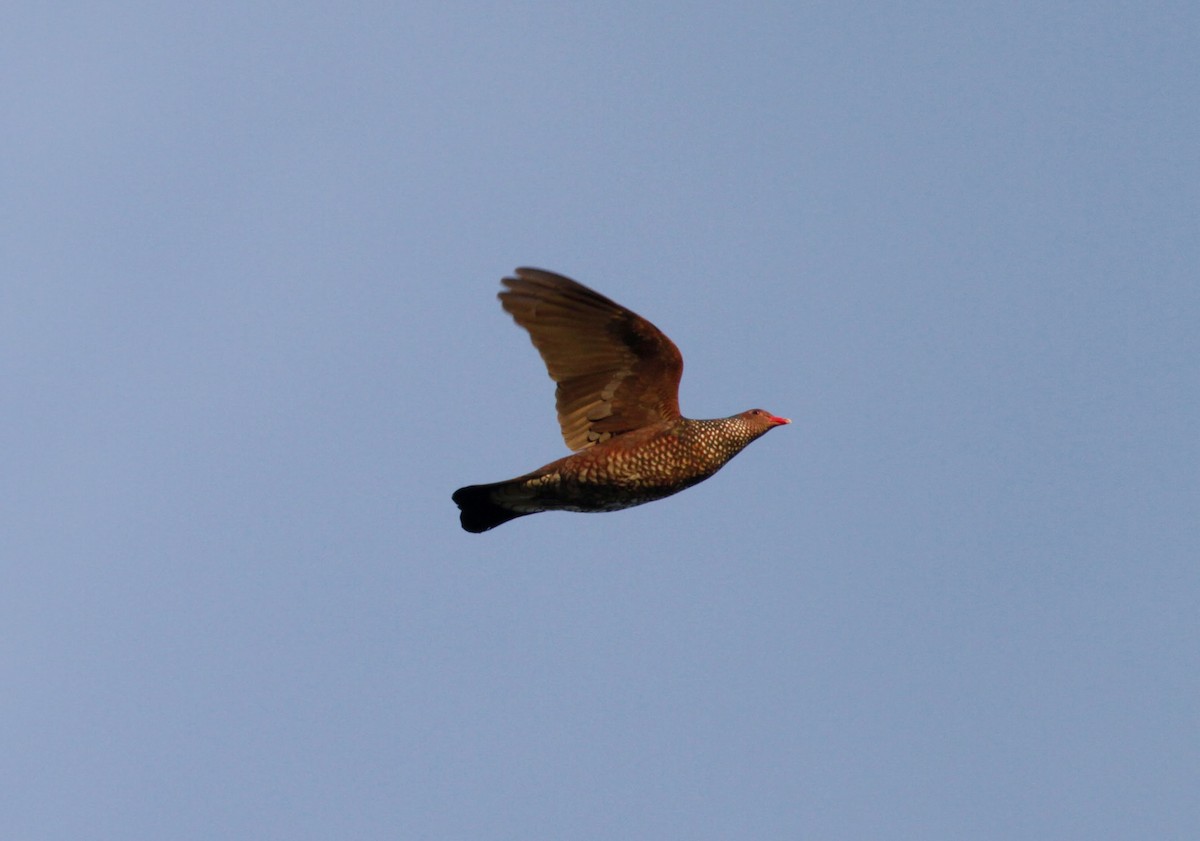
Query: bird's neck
{"type": "Point", "coordinates": [721, 438]}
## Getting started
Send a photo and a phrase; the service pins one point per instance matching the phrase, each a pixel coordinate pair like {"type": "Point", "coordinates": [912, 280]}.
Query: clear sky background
{"type": "Point", "coordinates": [250, 344]}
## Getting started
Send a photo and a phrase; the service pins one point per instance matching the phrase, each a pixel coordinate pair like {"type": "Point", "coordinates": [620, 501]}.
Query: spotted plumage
{"type": "Point", "coordinates": [618, 407]}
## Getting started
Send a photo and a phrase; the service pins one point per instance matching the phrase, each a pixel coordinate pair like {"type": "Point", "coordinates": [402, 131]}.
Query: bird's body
{"type": "Point", "coordinates": [618, 379]}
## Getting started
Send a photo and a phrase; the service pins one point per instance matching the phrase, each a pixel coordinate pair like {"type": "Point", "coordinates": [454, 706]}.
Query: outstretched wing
{"type": "Point", "coordinates": [615, 370]}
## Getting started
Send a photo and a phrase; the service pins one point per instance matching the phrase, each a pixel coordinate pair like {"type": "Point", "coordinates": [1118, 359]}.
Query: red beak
{"type": "Point", "coordinates": [778, 421]}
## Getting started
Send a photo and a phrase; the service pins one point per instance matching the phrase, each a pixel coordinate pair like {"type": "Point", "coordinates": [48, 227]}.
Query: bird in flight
{"type": "Point", "coordinates": [618, 407]}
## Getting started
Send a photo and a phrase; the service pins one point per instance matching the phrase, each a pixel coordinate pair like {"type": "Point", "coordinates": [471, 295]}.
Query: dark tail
{"type": "Point", "coordinates": [479, 511]}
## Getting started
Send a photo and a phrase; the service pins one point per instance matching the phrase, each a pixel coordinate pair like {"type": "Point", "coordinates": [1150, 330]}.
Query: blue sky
{"type": "Point", "coordinates": [250, 345]}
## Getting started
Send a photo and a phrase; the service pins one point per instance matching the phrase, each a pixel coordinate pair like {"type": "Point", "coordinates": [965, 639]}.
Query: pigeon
{"type": "Point", "coordinates": [618, 408]}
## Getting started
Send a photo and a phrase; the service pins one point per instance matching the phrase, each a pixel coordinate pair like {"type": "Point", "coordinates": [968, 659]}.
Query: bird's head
{"type": "Point", "coordinates": [760, 420]}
